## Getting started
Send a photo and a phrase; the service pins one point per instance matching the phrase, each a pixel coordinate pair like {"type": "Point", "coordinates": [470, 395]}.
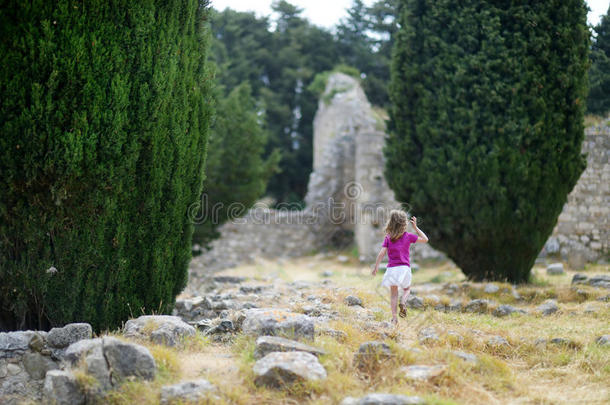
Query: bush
{"type": "Point", "coordinates": [487, 125]}
{"type": "Point", "coordinates": [104, 119]}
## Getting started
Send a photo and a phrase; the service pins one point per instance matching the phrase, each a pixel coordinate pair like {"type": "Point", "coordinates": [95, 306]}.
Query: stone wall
{"type": "Point", "coordinates": [582, 233]}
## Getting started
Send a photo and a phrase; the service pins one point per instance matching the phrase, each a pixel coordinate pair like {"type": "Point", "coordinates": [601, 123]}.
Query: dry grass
{"type": "Point", "coordinates": [524, 372]}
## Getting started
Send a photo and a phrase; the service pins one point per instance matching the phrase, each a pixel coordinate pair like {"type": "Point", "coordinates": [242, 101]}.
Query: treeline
{"type": "Point", "coordinates": [279, 58]}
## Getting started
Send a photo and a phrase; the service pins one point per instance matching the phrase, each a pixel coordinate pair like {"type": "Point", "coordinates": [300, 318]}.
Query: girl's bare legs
{"type": "Point", "coordinates": [394, 301]}
{"type": "Point", "coordinates": [405, 295]}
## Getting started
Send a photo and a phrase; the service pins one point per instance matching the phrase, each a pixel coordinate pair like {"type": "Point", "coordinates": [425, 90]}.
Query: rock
{"type": "Point", "coordinates": [73, 332]}
{"type": "Point", "coordinates": [497, 341]}
{"type": "Point", "coordinates": [278, 369]}
{"type": "Point", "coordinates": [61, 388]}
{"type": "Point", "coordinates": [454, 306]}
{"type": "Point", "coordinates": [161, 329]}
{"type": "Point", "coordinates": [555, 269]}
{"type": "Point", "coordinates": [384, 399]}
{"type": "Point", "coordinates": [252, 289]}
{"type": "Point", "coordinates": [277, 322]}
{"type": "Point", "coordinates": [602, 281]}
{"type": "Point", "coordinates": [327, 273]}
{"type": "Point", "coordinates": [505, 310]}
{"type": "Point", "coordinates": [342, 259]}
{"type": "Point", "coordinates": [491, 288]}
{"type": "Point", "coordinates": [37, 343]}
{"type": "Point", "coordinates": [224, 326]}
{"type": "Point", "coordinates": [564, 342]}
{"type": "Point", "coordinates": [604, 298]}
{"type": "Point", "coordinates": [371, 353]}
{"type": "Point", "coordinates": [37, 365]}
{"type": "Point", "coordinates": [15, 341]}
{"type": "Point", "coordinates": [603, 340]}
{"type": "Point", "coordinates": [467, 357]}
{"type": "Point", "coordinates": [110, 360]}
{"type": "Point", "coordinates": [268, 344]}
{"type": "Point", "coordinates": [579, 279]}
{"type": "Point", "coordinates": [228, 279]}
{"type": "Point", "coordinates": [478, 306]}
{"type": "Point", "coordinates": [352, 300]}
{"type": "Point", "coordinates": [427, 336]}
{"type": "Point", "coordinates": [422, 373]}
{"type": "Point", "coordinates": [548, 307]}
{"type": "Point", "coordinates": [184, 392]}
{"type": "Point", "coordinates": [128, 360]}
{"type": "Point", "coordinates": [415, 302]}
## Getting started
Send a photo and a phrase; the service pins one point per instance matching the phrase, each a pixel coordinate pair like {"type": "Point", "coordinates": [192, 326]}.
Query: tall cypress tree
{"type": "Point", "coordinates": [104, 119]}
{"type": "Point", "coordinates": [487, 125]}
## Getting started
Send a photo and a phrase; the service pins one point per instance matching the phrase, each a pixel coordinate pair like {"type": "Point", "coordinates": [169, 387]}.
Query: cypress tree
{"type": "Point", "coordinates": [104, 118]}
{"type": "Point", "coordinates": [487, 125]}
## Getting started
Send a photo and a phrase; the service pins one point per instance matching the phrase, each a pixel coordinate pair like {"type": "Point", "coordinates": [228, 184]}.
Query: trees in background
{"type": "Point", "coordinates": [599, 75]}
{"type": "Point", "coordinates": [104, 119]}
{"type": "Point", "coordinates": [280, 58]}
{"type": "Point", "coordinates": [236, 172]}
{"type": "Point", "coordinates": [487, 125]}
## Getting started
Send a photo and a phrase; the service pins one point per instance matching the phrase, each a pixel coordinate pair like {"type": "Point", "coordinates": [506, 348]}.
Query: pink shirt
{"type": "Point", "coordinates": [398, 251]}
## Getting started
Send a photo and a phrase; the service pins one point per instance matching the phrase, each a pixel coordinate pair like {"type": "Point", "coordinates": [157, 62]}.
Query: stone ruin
{"type": "Point", "coordinates": [348, 198]}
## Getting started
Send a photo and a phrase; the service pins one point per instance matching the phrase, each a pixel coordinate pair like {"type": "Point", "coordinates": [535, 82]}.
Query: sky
{"type": "Point", "coordinates": [327, 13]}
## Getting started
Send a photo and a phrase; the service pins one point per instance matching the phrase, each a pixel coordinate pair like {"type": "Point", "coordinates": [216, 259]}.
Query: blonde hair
{"type": "Point", "coordinates": [396, 225]}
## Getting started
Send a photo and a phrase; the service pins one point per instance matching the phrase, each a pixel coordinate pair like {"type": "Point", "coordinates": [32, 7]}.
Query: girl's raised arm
{"type": "Point", "coordinates": [421, 236]}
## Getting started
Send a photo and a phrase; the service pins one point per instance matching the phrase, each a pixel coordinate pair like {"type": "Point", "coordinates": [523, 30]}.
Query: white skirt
{"type": "Point", "coordinates": [399, 276]}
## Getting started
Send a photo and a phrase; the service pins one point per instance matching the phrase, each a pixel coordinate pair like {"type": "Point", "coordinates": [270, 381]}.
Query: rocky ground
{"type": "Point", "coordinates": [316, 330]}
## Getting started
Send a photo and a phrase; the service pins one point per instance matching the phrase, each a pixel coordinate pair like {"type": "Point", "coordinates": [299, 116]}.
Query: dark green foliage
{"type": "Point", "coordinates": [104, 117]}
{"type": "Point", "coordinates": [599, 75]}
{"type": "Point", "coordinates": [236, 173]}
{"type": "Point", "coordinates": [487, 125]}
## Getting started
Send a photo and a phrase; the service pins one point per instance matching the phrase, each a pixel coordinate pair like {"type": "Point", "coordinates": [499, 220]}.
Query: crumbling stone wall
{"type": "Point", "coordinates": [582, 233]}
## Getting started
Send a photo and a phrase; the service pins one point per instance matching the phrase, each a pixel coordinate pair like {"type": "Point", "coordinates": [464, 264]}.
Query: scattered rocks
{"type": "Point", "coordinates": [579, 279]}
{"type": "Point", "coordinates": [564, 342]}
{"type": "Point", "coordinates": [497, 341]}
{"type": "Point", "coordinates": [548, 307]}
{"type": "Point", "coordinates": [555, 269]}
{"type": "Point", "coordinates": [252, 289]}
{"type": "Point", "coordinates": [603, 340]}
{"type": "Point", "coordinates": [384, 399]}
{"type": "Point", "coordinates": [602, 281]}
{"type": "Point", "coordinates": [415, 302]}
{"type": "Point", "coordinates": [269, 344]}
{"type": "Point", "coordinates": [277, 322]}
{"type": "Point", "coordinates": [228, 279]}
{"type": "Point", "coordinates": [279, 369]}
{"type": "Point", "coordinates": [467, 357]}
{"type": "Point", "coordinates": [505, 310]}
{"type": "Point", "coordinates": [339, 335]}
{"type": "Point", "coordinates": [422, 373]}
{"type": "Point", "coordinates": [478, 306]}
{"type": "Point", "coordinates": [61, 388]}
{"type": "Point", "coordinates": [161, 329]}
{"type": "Point", "coordinates": [491, 288]}
{"type": "Point", "coordinates": [352, 300]}
{"type": "Point", "coordinates": [184, 392]}
{"type": "Point", "coordinates": [224, 326]}
{"type": "Point", "coordinates": [327, 273]}
{"type": "Point", "coordinates": [73, 332]}
{"type": "Point", "coordinates": [427, 336]}
{"type": "Point", "coordinates": [370, 354]}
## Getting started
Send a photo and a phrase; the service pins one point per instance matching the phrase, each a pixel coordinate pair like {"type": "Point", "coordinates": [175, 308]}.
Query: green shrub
{"type": "Point", "coordinates": [487, 125]}
{"type": "Point", "coordinates": [104, 119]}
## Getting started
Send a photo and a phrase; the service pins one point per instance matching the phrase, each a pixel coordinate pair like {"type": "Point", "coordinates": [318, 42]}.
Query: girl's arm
{"type": "Point", "coordinates": [422, 238]}
{"type": "Point", "coordinates": [380, 257]}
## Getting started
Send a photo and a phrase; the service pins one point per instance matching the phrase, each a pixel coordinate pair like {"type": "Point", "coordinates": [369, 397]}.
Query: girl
{"type": "Point", "coordinates": [398, 273]}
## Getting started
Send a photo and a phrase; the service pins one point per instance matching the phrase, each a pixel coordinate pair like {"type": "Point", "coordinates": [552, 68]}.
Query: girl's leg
{"type": "Point", "coordinates": [393, 301]}
{"type": "Point", "coordinates": [405, 295]}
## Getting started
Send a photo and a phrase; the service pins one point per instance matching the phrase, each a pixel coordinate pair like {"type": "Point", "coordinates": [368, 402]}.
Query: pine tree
{"type": "Point", "coordinates": [599, 75]}
{"type": "Point", "coordinates": [487, 125]}
{"type": "Point", "coordinates": [104, 118]}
